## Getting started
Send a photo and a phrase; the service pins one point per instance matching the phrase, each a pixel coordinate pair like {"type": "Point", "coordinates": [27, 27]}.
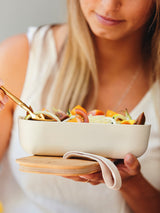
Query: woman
{"type": "Point", "coordinates": [107, 58]}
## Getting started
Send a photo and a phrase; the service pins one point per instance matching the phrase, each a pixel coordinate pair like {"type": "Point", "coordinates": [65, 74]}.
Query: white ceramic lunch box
{"type": "Point", "coordinates": [108, 140]}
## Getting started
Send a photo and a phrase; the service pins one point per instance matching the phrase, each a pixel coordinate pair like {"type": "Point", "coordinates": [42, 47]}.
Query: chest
{"type": "Point", "coordinates": [119, 95]}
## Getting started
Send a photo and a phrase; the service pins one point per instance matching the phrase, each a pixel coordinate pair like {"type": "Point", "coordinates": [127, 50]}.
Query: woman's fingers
{"type": "Point", "coordinates": [1, 82]}
{"type": "Point", "coordinates": [94, 179]}
{"type": "Point", "coordinates": [75, 178]}
{"type": "Point", "coordinates": [129, 167]}
{"type": "Point", "coordinates": [132, 164]}
{"type": "Point", "coordinates": [3, 97]}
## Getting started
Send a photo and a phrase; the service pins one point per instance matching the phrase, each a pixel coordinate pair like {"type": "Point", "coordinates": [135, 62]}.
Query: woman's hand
{"type": "Point", "coordinates": [94, 179]}
{"type": "Point", "coordinates": [3, 97]}
{"type": "Point", "coordinates": [128, 168]}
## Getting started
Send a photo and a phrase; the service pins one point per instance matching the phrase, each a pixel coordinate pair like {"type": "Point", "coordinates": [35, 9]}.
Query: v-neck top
{"type": "Point", "coordinates": [39, 193]}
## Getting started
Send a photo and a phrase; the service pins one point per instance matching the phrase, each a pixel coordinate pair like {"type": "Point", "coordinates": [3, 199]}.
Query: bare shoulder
{"type": "Point", "coordinates": [60, 34]}
{"type": "Point", "coordinates": [14, 53]}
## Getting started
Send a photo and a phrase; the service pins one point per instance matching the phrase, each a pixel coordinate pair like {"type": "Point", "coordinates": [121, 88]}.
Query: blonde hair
{"type": "Point", "coordinates": [155, 58]}
{"type": "Point", "coordinates": [78, 71]}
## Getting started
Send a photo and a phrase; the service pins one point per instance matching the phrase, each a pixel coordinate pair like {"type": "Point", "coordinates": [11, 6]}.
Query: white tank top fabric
{"type": "Point", "coordinates": [39, 193]}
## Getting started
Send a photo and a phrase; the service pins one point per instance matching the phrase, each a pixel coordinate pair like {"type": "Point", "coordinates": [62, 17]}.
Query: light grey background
{"type": "Point", "coordinates": [17, 15]}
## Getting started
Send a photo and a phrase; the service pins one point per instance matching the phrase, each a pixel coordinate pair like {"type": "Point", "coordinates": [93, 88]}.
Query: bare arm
{"type": "Point", "coordinates": [13, 64]}
{"type": "Point", "coordinates": [140, 195]}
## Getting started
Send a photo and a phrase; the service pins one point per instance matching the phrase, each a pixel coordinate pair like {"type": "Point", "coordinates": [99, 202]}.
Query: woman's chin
{"type": "Point", "coordinates": [107, 35]}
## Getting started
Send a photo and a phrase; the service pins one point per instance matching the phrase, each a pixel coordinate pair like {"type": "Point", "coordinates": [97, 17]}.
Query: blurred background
{"type": "Point", "coordinates": [17, 15]}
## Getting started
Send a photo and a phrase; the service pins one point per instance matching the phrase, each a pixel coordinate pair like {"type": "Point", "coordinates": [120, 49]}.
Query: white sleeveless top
{"type": "Point", "coordinates": [41, 193]}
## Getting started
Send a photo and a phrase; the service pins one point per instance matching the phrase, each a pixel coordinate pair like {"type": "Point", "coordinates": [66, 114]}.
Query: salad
{"type": "Point", "coordinates": [80, 115]}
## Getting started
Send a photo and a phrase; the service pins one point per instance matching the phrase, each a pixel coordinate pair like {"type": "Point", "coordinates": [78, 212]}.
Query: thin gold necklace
{"type": "Point", "coordinates": [126, 92]}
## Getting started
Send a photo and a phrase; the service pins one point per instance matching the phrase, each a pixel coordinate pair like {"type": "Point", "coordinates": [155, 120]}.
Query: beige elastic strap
{"type": "Point", "coordinates": [110, 172]}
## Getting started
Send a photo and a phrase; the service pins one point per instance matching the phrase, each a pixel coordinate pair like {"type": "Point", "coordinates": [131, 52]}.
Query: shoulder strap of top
{"type": "Point", "coordinates": [30, 33]}
{"type": "Point", "coordinates": [42, 57]}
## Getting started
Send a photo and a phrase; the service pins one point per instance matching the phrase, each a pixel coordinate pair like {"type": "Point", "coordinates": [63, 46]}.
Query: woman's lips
{"type": "Point", "coordinates": [108, 21]}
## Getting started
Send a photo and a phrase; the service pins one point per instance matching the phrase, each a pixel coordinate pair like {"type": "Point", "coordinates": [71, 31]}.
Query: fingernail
{"type": "Point", "coordinates": [1, 106]}
{"type": "Point", "coordinates": [1, 82]}
{"type": "Point", "coordinates": [5, 99]}
{"type": "Point", "coordinates": [83, 177]}
{"type": "Point", "coordinates": [130, 159]}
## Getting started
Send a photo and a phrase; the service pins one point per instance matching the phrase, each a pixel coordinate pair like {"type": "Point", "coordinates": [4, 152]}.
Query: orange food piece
{"type": "Point", "coordinates": [110, 113]}
{"type": "Point", "coordinates": [73, 120]}
{"type": "Point", "coordinates": [131, 122]}
{"type": "Point", "coordinates": [73, 111]}
{"type": "Point", "coordinates": [43, 109]}
{"type": "Point", "coordinates": [82, 114]}
{"type": "Point", "coordinates": [77, 119]}
{"type": "Point", "coordinates": [96, 112]}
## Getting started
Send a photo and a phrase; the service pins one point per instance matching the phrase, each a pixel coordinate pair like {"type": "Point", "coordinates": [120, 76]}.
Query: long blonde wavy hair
{"type": "Point", "coordinates": [77, 75]}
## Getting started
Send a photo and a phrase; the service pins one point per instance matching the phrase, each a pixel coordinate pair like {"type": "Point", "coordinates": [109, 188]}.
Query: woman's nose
{"type": "Point", "coordinates": [111, 4]}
